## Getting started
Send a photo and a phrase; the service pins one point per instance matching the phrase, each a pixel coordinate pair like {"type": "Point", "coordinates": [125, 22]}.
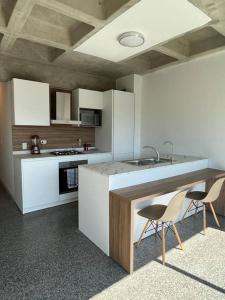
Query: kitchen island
{"type": "Point", "coordinates": [97, 180]}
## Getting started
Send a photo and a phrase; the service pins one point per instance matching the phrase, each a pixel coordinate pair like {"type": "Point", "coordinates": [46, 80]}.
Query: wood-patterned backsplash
{"type": "Point", "coordinates": [57, 136]}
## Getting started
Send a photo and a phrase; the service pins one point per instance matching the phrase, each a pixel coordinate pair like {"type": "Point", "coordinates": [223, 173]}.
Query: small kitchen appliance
{"type": "Point", "coordinates": [35, 149]}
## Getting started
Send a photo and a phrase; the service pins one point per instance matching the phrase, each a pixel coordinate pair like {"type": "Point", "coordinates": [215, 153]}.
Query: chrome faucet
{"type": "Point", "coordinates": [154, 149]}
{"type": "Point", "coordinates": [169, 143]}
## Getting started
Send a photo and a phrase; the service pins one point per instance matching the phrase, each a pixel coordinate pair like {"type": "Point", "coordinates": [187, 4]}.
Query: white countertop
{"type": "Point", "coordinates": [48, 155]}
{"type": "Point", "coordinates": [113, 168]}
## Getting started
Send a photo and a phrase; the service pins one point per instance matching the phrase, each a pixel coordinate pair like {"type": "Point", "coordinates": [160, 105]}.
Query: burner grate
{"type": "Point", "coordinates": [66, 152]}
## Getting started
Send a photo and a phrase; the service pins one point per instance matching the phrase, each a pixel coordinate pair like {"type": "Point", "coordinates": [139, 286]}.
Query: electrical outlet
{"type": "Point", "coordinates": [24, 146]}
{"type": "Point", "coordinates": [43, 142]}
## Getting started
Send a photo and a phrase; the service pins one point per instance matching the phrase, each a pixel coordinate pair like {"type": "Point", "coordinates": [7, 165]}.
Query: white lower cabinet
{"type": "Point", "coordinates": [37, 181]}
{"type": "Point", "coordinates": [40, 182]}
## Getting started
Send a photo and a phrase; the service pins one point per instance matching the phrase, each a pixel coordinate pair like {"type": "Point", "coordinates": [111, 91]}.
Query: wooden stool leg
{"type": "Point", "coordinates": [143, 232]}
{"type": "Point", "coordinates": [187, 210]}
{"type": "Point", "coordinates": [204, 218]}
{"type": "Point", "coordinates": [214, 214]}
{"type": "Point", "coordinates": [163, 244]}
{"type": "Point", "coordinates": [177, 236]}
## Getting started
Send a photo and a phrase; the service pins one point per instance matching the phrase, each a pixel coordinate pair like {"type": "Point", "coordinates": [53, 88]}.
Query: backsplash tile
{"type": "Point", "coordinates": [57, 136]}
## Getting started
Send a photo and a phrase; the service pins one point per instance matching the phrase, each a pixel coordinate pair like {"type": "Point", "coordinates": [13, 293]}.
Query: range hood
{"type": "Point", "coordinates": [61, 109]}
{"type": "Point", "coordinates": [69, 122]}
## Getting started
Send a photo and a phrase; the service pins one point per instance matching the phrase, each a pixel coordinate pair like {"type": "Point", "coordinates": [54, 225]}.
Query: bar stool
{"type": "Point", "coordinates": [167, 215]}
{"type": "Point", "coordinates": [204, 198]}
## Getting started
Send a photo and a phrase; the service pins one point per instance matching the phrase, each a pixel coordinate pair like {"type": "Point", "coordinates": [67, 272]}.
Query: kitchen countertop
{"type": "Point", "coordinates": [113, 168]}
{"type": "Point", "coordinates": [60, 157]}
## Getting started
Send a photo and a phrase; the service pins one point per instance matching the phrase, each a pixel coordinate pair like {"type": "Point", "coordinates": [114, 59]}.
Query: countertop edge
{"type": "Point", "coordinates": [32, 157]}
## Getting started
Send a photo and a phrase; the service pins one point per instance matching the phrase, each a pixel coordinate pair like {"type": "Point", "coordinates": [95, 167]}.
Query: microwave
{"type": "Point", "coordinates": [91, 117]}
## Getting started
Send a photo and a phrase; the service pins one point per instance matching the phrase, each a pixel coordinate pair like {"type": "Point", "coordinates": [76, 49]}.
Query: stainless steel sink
{"type": "Point", "coordinates": [148, 161]}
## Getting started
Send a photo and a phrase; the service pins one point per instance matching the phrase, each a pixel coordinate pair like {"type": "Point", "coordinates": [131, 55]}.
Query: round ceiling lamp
{"type": "Point", "coordinates": [131, 39]}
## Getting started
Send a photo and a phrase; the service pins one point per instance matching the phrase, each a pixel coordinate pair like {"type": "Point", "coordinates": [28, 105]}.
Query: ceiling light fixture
{"type": "Point", "coordinates": [131, 39]}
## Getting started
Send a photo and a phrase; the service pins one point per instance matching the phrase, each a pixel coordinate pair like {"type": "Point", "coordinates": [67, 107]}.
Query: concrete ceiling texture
{"type": "Point", "coordinates": [47, 32]}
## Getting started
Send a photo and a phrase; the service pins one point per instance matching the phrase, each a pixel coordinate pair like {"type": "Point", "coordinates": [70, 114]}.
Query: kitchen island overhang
{"type": "Point", "coordinates": [122, 208]}
{"type": "Point", "coordinates": [96, 181]}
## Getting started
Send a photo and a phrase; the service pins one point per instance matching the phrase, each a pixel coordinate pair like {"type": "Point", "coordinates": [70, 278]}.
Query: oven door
{"type": "Point", "coordinates": [68, 176]}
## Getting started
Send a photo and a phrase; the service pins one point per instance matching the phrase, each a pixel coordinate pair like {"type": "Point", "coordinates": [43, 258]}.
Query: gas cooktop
{"type": "Point", "coordinates": [66, 152]}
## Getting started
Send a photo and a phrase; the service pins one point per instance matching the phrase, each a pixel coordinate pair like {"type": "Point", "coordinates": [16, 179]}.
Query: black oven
{"type": "Point", "coordinates": [68, 176]}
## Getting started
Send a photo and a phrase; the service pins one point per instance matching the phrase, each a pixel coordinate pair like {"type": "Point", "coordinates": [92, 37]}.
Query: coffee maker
{"type": "Point", "coordinates": [35, 149]}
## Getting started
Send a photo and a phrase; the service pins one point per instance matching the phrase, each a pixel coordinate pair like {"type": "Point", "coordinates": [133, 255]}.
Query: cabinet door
{"type": "Point", "coordinates": [40, 183]}
{"type": "Point", "coordinates": [31, 103]}
{"type": "Point", "coordinates": [90, 99]}
{"type": "Point", "coordinates": [123, 124]}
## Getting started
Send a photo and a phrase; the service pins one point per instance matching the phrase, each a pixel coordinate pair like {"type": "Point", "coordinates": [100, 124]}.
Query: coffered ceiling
{"type": "Point", "coordinates": [47, 31]}
{"type": "Point", "coordinates": [154, 19]}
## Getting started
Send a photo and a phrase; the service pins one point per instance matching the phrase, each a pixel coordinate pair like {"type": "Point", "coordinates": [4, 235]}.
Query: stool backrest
{"type": "Point", "coordinates": [172, 211]}
{"type": "Point", "coordinates": [214, 192]}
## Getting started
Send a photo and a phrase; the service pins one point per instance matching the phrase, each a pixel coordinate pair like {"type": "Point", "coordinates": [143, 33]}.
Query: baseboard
{"type": "Point", "coordinates": [48, 205]}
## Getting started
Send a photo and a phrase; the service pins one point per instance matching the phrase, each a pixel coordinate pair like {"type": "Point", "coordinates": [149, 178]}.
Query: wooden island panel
{"type": "Point", "coordinates": [123, 201]}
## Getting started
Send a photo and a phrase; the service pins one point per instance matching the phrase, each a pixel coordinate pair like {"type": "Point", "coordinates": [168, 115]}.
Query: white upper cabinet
{"type": "Point", "coordinates": [88, 99]}
{"type": "Point", "coordinates": [30, 102]}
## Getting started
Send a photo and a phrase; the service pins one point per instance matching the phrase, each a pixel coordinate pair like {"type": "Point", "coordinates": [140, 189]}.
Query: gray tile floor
{"type": "Point", "coordinates": [44, 256]}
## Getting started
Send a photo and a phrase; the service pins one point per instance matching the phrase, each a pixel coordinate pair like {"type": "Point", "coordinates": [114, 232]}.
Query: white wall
{"type": "Point", "coordinates": [133, 83]}
{"type": "Point", "coordinates": [186, 104]}
{"type": "Point", "coordinates": [6, 158]}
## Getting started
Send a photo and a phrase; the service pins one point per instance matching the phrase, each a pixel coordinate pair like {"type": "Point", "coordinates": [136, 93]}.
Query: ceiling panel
{"type": "Point", "coordinates": [153, 18]}
{"type": "Point", "coordinates": [211, 42]}
{"type": "Point", "coordinates": [35, 51]}
{"type": "Point", "coordinates": [53, 26]}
